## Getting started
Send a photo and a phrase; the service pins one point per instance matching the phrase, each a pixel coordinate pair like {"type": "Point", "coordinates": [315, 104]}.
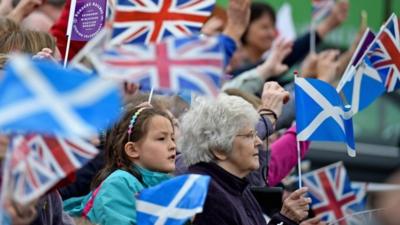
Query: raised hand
{"type": "Point", "coordinates": [273, 65]}
{"type": "Point", "coordinates": [273, 98]}
{"type": "Point", "coordinates": [238, 19]}
{"type": "Point", "coordinates": [327, 66]}
{"type": "Point", "coordinates": [337, 16]}
{"type": "Point", "coordinates": [23, 9]}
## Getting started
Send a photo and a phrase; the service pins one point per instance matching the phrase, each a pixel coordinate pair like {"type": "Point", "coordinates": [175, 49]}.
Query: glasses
{"type": "Point", "coordinates": [252, 134]}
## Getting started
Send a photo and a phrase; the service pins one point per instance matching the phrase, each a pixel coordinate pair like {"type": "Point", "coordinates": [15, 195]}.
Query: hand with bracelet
{"type": "Point", "coordinates": [272, 100]}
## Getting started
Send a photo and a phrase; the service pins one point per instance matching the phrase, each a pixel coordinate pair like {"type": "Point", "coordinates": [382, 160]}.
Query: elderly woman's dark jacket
{"type": "Point", "coordinates": [229, 200]}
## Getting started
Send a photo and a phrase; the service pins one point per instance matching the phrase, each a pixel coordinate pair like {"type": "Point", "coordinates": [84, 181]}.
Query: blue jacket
{"type": "Point", "coordinates": [113, 202]}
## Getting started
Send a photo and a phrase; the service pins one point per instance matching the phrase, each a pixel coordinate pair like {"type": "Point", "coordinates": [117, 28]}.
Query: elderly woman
{"type": "Point", "coordinates": [218, 139]}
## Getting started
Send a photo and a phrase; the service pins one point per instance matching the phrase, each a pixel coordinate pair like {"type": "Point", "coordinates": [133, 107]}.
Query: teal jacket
{"type": "Point", "coordinates": [114, 202]}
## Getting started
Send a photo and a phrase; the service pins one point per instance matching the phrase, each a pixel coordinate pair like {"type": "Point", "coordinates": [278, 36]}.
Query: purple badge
{"type": "Point", "coordinates": [89, 18]}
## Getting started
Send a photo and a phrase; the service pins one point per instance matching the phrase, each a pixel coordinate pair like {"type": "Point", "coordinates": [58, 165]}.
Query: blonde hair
{"type": "Point", "coordinates": [26, 41]}
{"type": "Point", "coordinates": [35, 41]}
{"type": "Point", "coordinates": [7, 25]}
{"type": "Point", "coordinates": [3, 60]}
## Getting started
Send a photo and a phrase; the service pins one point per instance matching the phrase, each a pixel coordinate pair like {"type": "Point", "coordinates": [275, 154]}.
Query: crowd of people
{"type": "Point", "coordinates": [236, 139]}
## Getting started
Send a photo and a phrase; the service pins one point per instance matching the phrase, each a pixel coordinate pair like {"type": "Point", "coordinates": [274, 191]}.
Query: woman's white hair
{"type": "Point", "coordinates": [212, 125]}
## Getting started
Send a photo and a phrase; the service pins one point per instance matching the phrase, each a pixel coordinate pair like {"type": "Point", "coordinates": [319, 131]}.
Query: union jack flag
{"type": "Point", "coordinates": [321, 8]}
{"type": "Point", "coordinates": [385, 54]}
{"type": "Point", "coordinates": [332, 194]}
{"type": "Point", "coordinates": [36, 163]}
{"type": "Point", "coordinates": [144, 21]}
{"type": "Point", "coordinates": [174, 65]}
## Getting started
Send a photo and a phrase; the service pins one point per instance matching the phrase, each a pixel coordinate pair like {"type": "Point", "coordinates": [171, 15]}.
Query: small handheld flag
{"type": "Point", "coordinates": [321, 115]}
{"type": "Point", "coordinates": [174, 65]}
{"type": "Point", "coordinates": [172, 202]}
{"type": "Point", "coordinates": [332, 194]}
{"type": "Point", "coordinates": [145, 21]}
{"type": "Point", "coordinates": [42, 97]}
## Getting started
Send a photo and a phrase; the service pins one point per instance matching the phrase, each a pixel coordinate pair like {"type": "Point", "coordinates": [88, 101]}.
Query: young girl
{"type": "Point", "coordinates": [140, 151]}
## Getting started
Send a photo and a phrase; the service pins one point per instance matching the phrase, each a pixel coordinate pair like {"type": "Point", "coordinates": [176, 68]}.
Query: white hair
{"type": "Point", "coordinates": [212, 125]}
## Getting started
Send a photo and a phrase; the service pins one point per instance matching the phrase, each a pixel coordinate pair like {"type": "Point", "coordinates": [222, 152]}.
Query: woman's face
{"type": "Point", "coordinates": [244, 156]}
{"type": "Point", "coordinates": [261, 33]}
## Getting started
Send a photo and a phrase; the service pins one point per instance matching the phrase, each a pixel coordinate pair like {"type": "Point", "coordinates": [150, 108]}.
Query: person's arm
{"type": "Point", "coordinates": [284, 156]}
{"type": "Point", "coordinates": [115, 203]}
{"type": "Point", "coordinates": [252, 81]}
{"type": "Point", "coordinates": [249, 81]}
{"type": "Point", "coordinates": [23, 9]}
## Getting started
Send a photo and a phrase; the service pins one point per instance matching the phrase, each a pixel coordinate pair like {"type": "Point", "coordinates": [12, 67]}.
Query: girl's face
{"type": "Point", "coordinates": [157, 150]}
{"type": "Point", "coordinates": [261, 33]}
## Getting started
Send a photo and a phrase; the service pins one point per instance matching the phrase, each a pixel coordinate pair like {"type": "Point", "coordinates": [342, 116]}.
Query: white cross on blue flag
{"type": "Point", "coordinates": [172, 202]}
{"type": "Point", "coordinates": [364, 87]}
{"type": "Point", "coordinates": [43, 97]}
{"type": "Point", "coordinates": [320, 114]}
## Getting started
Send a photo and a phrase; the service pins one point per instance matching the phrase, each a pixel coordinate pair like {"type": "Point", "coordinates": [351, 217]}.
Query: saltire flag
{"type": "Point", "coordinates": [364, 87]}
{"type": "Point", "coordinates": [36, 163]}
{"type": "Point", "coordinates": [332, 196]}
{"type": "Point", "coordinates": [361, 50]}
{"type": "Point", "coordinates": [42, 97]}
{"type": "Point", "coordinates": [321, 115]}
{"type": "Point", "coordinates": [145, 21]}
{"type": "Point", "coordinates": [321, 8]}
{"type": "Point", "coordinates": [172, 202]}
{"type": "Point", "coordinates": [385, 54]}
{"type": "Point", "coordinates": [174, 65]}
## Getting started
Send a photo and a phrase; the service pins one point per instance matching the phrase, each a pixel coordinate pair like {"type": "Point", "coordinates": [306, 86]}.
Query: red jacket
{"type": "Point", "coordinates": [59, 30]}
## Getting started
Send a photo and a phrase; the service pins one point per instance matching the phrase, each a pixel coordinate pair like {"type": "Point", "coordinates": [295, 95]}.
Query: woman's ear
{"type": "Point", "coordinates": [132, 150]}
{"type": "Point", "coordinates": [219, 155]}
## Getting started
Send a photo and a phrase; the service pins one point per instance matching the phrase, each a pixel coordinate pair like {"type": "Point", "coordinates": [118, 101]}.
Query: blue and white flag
{"type": "Point", "coordinates": [42, 97]}
{"type": "Point", "coordinates": [172, 202]}
{"type": "Point", "coordinates": [364, 87]}
{"type": "Point", "coordinates": [320, 114]}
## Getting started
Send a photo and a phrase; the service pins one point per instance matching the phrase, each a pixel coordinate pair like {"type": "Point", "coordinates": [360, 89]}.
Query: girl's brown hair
{"type": "Point", "coordinates": [117, 137]}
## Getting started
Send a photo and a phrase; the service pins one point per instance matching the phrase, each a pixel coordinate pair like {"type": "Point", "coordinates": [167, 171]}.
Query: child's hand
{"type": "Point", "coordinates": [46, 53]}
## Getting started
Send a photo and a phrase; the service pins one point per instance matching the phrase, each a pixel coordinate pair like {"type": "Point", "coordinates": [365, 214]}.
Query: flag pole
{"type": "Point", "coordinates": [151, 95]}
{"type": "Point", "coordinates": [312, 37]}
{"type": "Point", "coordinates": [69, 30]}
{"type": "Point", "coordinates": [296, 75]}
{"type": "Point", "coordinates": [67, 50]}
